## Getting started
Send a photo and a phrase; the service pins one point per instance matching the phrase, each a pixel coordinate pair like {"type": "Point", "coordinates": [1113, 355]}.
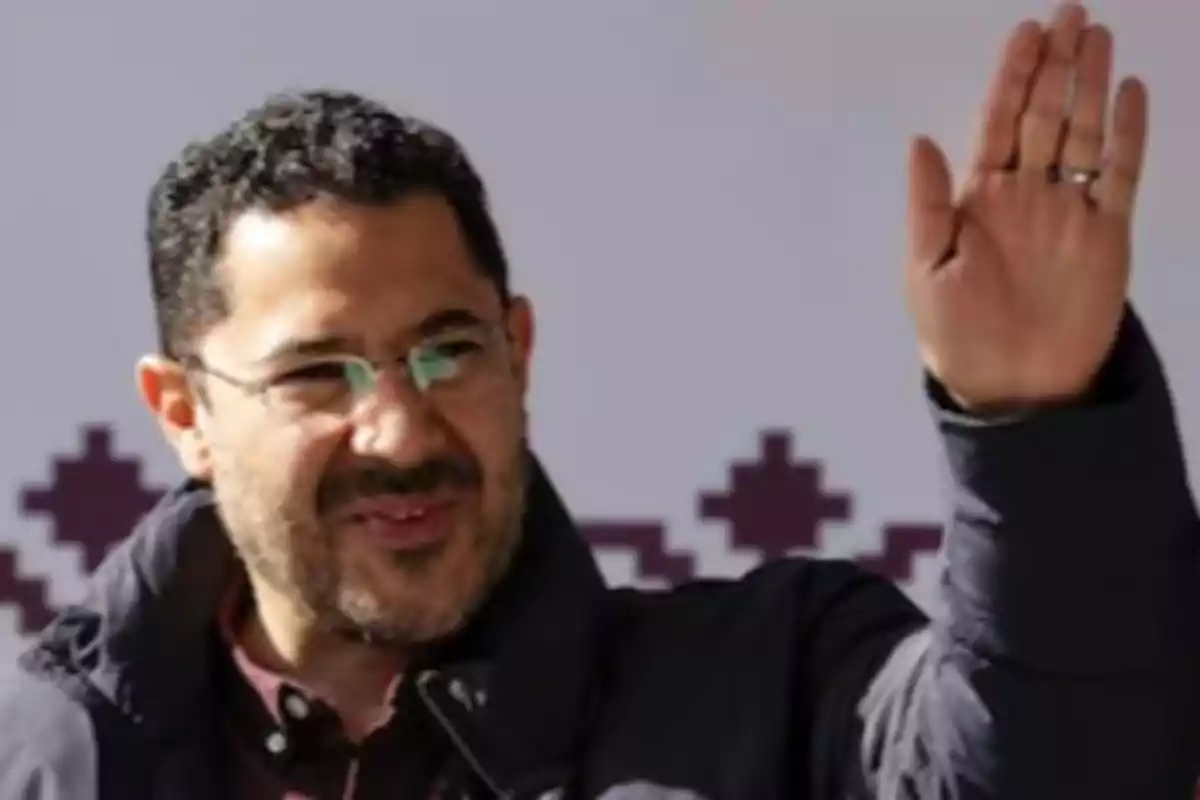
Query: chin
{"type": "Point", "coordinates": [423, 596]}
{"type": "Point", "coordinates": [421, 627]}
{"type": "Point", "coordinates": [415, 615]}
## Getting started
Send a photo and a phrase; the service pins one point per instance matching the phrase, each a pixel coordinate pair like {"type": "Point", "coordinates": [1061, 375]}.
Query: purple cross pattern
{"type": "Point", "coordinates": [774, 505]}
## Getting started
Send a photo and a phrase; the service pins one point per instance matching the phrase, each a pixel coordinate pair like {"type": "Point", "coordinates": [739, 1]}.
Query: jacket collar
{"type": "Point", "coordinates": [514, 689]}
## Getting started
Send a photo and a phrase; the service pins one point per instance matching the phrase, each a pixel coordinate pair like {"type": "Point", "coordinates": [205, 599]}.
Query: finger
{"type": "Point", "coordinates": [1116, 189]}
{"type": "Point", "coordinates": [1084, 143]}
{"type": "Point", "coordinates": [1042, 121]}
{"type": "Point", "coordinates": [930, 204]}
{"type": "Point", "coordinates": [996, 142]}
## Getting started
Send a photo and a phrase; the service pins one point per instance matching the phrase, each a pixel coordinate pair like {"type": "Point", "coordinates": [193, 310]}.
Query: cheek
{"type": "Point", "coordinates": [306, 452]}
{"type": "Point", "coordinates": [291, 457]}
{"type": "Point", "coordinates": [493, 433]}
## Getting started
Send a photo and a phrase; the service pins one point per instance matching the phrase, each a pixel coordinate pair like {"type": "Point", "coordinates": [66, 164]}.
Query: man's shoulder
{"type": "Point", "coordinates": [762, 662]}
{"type": "Point", "coordinates": [801, 590]}
{"type": "Point", "coordinates": [48, 747]}
{"type": "Point", "coordinates": [789, 609]}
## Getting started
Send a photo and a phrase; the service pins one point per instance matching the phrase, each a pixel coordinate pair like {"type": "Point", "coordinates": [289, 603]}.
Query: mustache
{"type": "Point", "coordinates": [382, 478]}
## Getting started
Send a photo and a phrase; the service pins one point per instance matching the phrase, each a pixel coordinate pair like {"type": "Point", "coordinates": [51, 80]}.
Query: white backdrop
{"type": "Point", "coordinates": [704, 200]}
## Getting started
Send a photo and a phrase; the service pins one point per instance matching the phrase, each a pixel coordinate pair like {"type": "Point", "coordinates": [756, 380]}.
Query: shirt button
{"type": "Point", "coordinates": [276, 743]}
{"type": "Point", "coordinates": [295, 706]}
{"type": "Point", "coordinates": [458, 690]}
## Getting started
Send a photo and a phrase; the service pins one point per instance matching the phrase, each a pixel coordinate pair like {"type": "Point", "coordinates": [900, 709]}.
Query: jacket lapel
{"type": "Point", "coordinates": [517, 692]}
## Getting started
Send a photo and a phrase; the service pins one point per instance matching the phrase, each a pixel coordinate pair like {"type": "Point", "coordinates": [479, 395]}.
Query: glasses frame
{"type": "Point", "coordinates": [493, 335]}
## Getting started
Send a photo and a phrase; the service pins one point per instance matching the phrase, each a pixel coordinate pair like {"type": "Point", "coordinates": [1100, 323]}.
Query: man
{"type": "Point", "coordinates": [369, 588]}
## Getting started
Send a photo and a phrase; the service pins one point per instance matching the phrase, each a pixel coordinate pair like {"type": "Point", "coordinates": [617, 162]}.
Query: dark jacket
{"type": "Point", "coordinates": [1058, 670]}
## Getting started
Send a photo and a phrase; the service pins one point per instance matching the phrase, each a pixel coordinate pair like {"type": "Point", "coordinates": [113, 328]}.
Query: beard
{"type": "Point", "coordinates": [290, 547]}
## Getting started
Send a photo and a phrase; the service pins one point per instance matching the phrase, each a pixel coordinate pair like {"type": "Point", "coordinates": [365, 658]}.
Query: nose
{"type": "Point", "coordinates": [397, 423]}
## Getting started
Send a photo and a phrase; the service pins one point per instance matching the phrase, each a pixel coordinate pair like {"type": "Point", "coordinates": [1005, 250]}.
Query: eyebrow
{"type": "Point", "coordinates": [299, 349]}
{"type": "Point", "coordinates": [322, 346]}
{"type": "Point", "coordinates": [448, 319]}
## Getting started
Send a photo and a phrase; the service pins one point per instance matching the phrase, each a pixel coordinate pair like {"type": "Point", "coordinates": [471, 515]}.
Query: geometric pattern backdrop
{"type": "Point", "coordinates": [706, 201]}
{"type": "Point", "coordinates": [772, 505]}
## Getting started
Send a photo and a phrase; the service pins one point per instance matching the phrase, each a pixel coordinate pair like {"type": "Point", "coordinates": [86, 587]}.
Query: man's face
{"type": "Point", "coordinates": [394, 513]}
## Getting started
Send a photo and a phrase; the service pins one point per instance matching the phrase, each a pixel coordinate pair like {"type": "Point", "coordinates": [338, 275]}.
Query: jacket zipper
{"type": "Point", "coordinates": [423, 681]}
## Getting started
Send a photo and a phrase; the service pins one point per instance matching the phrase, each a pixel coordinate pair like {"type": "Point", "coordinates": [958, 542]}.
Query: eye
{"type": "Point", "coordinates": [442, 360]}
{"type": "Point", "coordinates": [314, 373]}
{"type": "Point", "coordinates": [455, 348]}
{"type": "Point", "coordinates": [318, 384]}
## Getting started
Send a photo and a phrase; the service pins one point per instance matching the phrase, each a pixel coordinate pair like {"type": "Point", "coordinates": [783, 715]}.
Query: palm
{"type": "Point", "coordinates": [1017, 288]}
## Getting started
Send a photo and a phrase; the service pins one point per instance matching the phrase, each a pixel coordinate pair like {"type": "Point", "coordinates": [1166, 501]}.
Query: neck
{"type": "Point", "coordinates": [354, 678]}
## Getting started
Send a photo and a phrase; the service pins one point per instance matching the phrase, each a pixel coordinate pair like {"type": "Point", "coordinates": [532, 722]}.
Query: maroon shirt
{"type": "Point", "coordinates": [285, 744]}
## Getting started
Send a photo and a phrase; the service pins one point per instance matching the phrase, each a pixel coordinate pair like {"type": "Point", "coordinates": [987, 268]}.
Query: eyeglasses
{"type": "Point", "coordinates": [341, 383]}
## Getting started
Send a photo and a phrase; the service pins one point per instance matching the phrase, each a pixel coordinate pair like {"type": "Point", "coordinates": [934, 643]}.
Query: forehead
{"type": "Point", "coordinates": [365, 273]}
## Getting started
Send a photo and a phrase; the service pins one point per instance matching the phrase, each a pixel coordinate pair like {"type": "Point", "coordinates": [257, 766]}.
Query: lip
{"type": "Point", "coordinates": [409, 522]}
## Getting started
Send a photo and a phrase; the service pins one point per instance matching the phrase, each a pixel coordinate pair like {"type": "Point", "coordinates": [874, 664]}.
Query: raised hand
{"type": "Point", "coordinates": [1017, 286]}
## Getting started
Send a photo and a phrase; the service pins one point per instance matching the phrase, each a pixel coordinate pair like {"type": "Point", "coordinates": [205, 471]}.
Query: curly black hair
{"type": "Point", "coordinates": [292, 149]}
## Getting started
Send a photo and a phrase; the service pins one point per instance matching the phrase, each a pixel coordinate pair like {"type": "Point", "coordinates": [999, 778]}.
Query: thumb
{"type": "Point", "coordinates": [930, 204]}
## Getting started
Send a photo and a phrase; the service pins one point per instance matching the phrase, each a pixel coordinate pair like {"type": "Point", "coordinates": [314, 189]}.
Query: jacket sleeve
{"type": "Point", "coordinates": [47, 750]}
{"type": "Point", "coordinates": [1062, 662]}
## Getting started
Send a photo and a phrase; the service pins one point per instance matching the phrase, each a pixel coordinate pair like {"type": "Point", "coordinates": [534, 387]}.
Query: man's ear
{"type": "Point", "coordinates": [167, 393]}
{"type": "Point", "coordinates": [520, 326]}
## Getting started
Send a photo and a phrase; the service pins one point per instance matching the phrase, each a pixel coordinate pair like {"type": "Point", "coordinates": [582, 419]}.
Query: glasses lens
{"type": "Point", "coordinates": [359, 377]}
{"type": "Point", "coordinates": [431, 364]}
